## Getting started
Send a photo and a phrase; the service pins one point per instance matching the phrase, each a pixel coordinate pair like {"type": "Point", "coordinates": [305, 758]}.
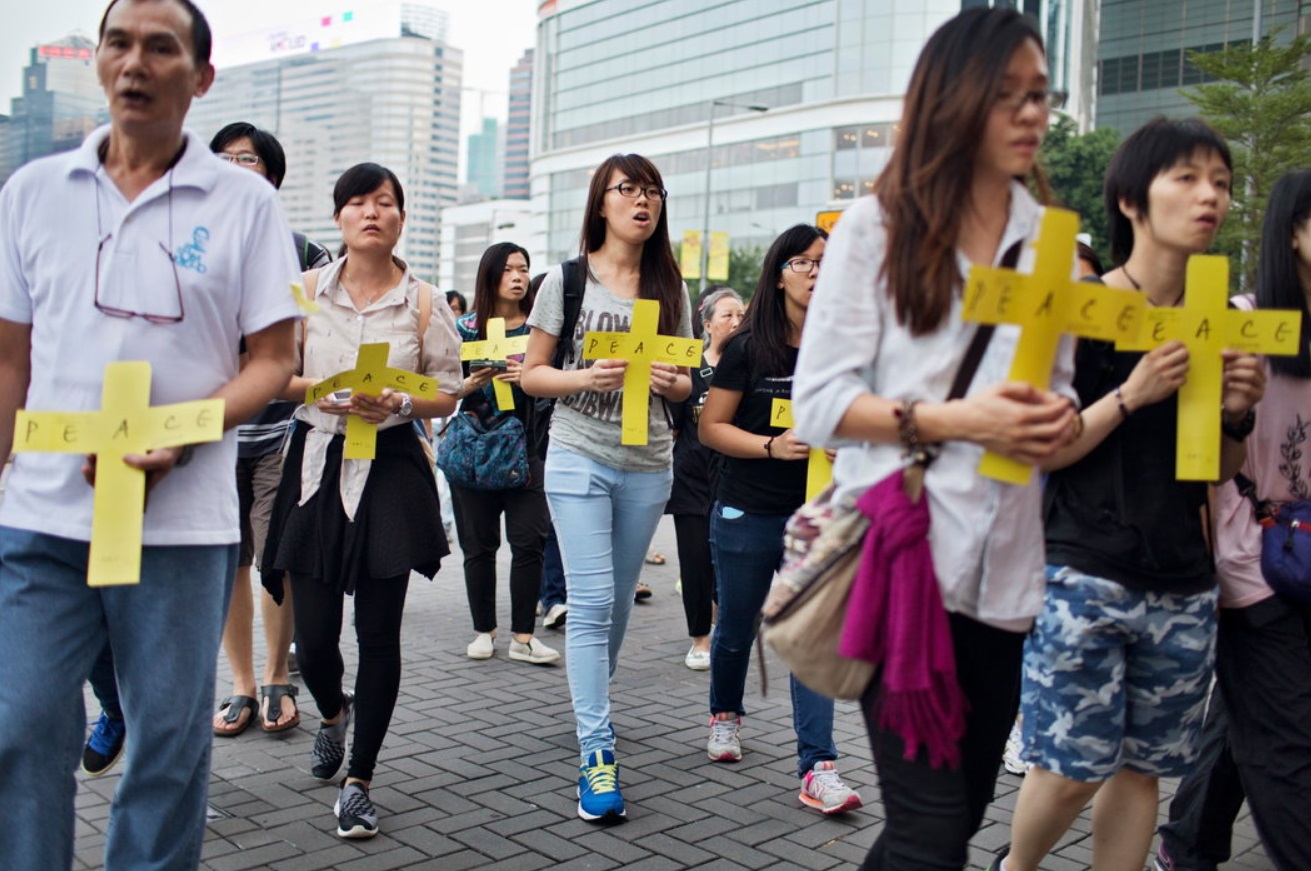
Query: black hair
{"type": "Point", "coordinates": [1088, 254]}
{"type": "Point", "coordinates": [266, 145]}
{"type": "Point", "coordinates": [1147, 152]}
{"type": "Point", "coordinates": [767, 318]}
{"type": "Point", "coordinates": [490, 271]}
{"type": "Point", "coordinates": [456, 296]}
{"type": "Point", "coordinates": [1278, 283]}
{"type": "Point", "coordinates": [361, 179]}
{"type": "Point", "coordinates": [202, 39]}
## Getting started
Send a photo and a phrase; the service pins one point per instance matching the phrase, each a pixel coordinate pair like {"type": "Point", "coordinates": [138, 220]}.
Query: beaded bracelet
{"type": "Point", "coordinates": [1119, 399]}
{"type": "Point", "coordinates": [907, 432]}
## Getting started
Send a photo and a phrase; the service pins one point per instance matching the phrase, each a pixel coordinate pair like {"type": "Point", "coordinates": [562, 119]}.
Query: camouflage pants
{"type": "Point", "coordinates": [1116, 677]}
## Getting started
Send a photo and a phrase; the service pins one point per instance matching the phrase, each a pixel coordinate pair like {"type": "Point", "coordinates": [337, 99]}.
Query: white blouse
{"type": "Point", "coordinates": [986, 536]}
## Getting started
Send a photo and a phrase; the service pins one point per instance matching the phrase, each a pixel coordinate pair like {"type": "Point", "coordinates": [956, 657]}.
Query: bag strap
{"type": "Point", "coordinates": [574, 288]}
{"type": "Point", "coordinates": [426, 291]}
{"type": "Point", "coordinates": [982, 336]}
{"type": "Point", "coordinates": [311, 279]}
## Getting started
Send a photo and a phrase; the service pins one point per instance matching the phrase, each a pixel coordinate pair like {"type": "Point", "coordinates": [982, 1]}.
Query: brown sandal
{"type": "Point", "coordinates": [271, 696]}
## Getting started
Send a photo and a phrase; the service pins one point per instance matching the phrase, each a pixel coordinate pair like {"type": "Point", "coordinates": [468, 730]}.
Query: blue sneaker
{"type": "Point", "coordinates": [599, 798]}
{"type": "Point", "coordinates": [105, 745]}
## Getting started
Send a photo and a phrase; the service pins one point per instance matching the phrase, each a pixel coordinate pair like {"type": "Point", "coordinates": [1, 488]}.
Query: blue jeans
{"type": "Point", "coordinates": [604, 519]}
{"type": "Point", "coordinates": [747, 549]}
{"type": "Point", "coordinates": [165, 637]}
{"type": "Point", "coordinates": [554, 591]}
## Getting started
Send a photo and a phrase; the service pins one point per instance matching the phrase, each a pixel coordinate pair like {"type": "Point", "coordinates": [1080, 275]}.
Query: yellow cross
{"type": "Point", "coordinates": [307, 305]}
{"type": "Point", "coordinates": [1206, 325]}
{"type": "Point", "coordinates": [370, 375]}
{"type": "Point", "coordinates": [125, 424]}
{"type": "Point", "coordinates": [819, 468]}
{"type": "Point", "coordinates": [640, 346]}
{"type": "Point", "coordinates": [496, 347]}
{"type": "Point", "coordinates": [1045, 304]}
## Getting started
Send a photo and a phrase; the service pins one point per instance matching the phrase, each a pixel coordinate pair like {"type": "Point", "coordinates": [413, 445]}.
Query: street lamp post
{"type": "Point", "coordinates": [710, 160]}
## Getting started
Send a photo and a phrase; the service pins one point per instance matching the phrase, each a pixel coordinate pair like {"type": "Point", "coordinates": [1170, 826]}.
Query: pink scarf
{"type": "Point", "coordinates": [896, 619]}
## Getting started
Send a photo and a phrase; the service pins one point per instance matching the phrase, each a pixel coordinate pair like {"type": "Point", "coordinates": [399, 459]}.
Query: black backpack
{"type": "Point", "coordinates": [539, 423]}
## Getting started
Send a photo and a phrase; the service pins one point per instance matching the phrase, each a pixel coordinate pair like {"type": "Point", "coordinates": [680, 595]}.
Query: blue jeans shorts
{"type": "Point", "coordinates": [1116, 677]}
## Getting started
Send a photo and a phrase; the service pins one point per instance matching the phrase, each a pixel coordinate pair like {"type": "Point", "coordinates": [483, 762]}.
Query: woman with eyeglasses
{"type": "Point", "coordinates": [884, 341]}
{"type": "Point", "coordinates": [606, 497]}
{"type": "Point", "coordinates": [762, 481]}
{"type": "Point", "coordinates": [359, 526]}
{"type": "Point", "coordinates": [695, 473]}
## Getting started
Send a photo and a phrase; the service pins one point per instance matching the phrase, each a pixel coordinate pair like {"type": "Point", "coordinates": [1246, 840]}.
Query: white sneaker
{"type": "Point", "coordinates": [824, 790]}
{"type": "Point", "coordinates": [534, 651]}
{"type": "Point", "coordinates": [1012, 758]}
{"type": "Point", "coordinates": [482, 647]}
{"type": "Point", "coordinates": [697, 660]}
{"type": "Point", "coordinates": [555, 616]}
{"type": "Point", "coordinates": [724, 744]}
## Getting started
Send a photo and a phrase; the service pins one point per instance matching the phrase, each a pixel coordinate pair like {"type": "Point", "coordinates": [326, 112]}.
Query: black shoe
{"type": "Point", "coordinates": [104, 746]}
{"type": "Point", "coordinates": [356, 815]}
{"type": "Point", "coordinates": [330, 744]}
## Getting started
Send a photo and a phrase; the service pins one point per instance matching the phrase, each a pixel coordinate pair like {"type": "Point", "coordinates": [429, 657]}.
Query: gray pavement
{"type": "Point", "coordinates": [480, 767]}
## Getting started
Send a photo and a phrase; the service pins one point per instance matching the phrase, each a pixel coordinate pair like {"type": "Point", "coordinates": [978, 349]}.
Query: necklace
{"type": "Point", "coordinates": [359, 291]}
{"type": "Point", "coordinates": [1136, 286]}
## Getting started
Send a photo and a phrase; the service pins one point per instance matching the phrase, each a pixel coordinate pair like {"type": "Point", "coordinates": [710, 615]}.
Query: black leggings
{"type": "Point", "coordinates": [933, 812]}
{"type": "Point", "coordinates": [697, 571]}
{"type": "Point", "coordinates": [379, 605]}
{"type": "Point", "coordinates": [478, 522]}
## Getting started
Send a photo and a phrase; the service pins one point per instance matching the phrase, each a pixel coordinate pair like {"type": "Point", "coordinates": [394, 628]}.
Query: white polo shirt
{"type": "Point", "coordinates": [228, 234]}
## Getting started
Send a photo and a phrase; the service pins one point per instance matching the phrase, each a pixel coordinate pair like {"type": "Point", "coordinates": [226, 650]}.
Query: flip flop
{"type": "Point", "coordinates": [233, 708]}
{"type": "Point", "coordinates": [272, 696]}
{"type": "Point", "coordinates": [655, 559]}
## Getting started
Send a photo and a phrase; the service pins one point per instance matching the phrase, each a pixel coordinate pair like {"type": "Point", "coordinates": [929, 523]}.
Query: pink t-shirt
{"type": "Point", "coordinates": [1279, 461]}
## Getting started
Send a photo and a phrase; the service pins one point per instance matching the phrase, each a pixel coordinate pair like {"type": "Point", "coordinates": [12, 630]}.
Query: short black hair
{"type": "Point", "coordinates": [1278, 283]}
{"type": "Point", "coordinates": [266, 145]}
{"type": "Point", "coordinates": [1146, 153]}
{"type": "Point", "coordinates": [456, 296]}
{"type": "Point", "coordinates": [361, 179]}
{"type": "Point", "coordinates": [202, 38]}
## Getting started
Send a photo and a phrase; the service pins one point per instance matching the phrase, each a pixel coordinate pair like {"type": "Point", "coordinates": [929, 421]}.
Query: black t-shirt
{"type": "Point", "coordinates": [1119, 513]}
{"type": "Point", "coordinates": [758, 486]}
{"type": "Point", "coordinates": [695, 465]}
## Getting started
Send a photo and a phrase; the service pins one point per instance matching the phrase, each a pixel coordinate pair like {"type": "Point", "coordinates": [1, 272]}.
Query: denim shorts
{"type": "Point", "coordinates": [1116, 677]}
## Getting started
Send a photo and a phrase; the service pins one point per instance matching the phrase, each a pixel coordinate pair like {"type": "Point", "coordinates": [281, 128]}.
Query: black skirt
{"type": "Point", "coordinates": [397, 527]}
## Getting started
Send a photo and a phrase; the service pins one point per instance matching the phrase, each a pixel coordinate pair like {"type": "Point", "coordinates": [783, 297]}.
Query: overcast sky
{"type": "Point", "coordinates": [492, 33]}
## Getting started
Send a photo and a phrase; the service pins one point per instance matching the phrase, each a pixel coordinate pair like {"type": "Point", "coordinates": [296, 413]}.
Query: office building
{"type": "Point", "coordinates": [483, 168]}
{"type": "Point", "coordinates": [1142, 54]}
{"type": "Point", "coordinates": [61, 103]}
{"type": "Point", "coordinates": [467, 230]}
{"type": "Point", "coordinates": [661, 78]}
{"type": "Point", "coordinates": [376, 84]}
{"type": "Point", "coordinates": [516, 161]}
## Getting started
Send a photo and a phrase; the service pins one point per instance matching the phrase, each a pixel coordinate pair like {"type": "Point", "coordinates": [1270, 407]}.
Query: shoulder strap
{"type": "Point", "coordinates": [311, 279]}
{"type": "Point", "coordinates": [982, 336]}
{"type": "Point", "coordinates": [574, 288]}
{"type": "Point", "coordinates": [426, 291]}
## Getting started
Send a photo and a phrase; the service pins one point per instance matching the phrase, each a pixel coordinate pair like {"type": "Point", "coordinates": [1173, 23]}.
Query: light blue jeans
{"type": "Point", "coordinates": [604, 519]}
{"type": "Point", "coordinates": [165, 636]}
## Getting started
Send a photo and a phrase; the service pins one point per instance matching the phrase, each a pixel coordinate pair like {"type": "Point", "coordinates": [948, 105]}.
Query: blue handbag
{"type": "Point", "coordinates": [1285, 543]}
{"type": "Point", "coordinates": [484, 453]}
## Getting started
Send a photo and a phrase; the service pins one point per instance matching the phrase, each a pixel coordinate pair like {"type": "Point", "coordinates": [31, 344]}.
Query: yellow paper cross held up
{"type": "Point", "coordinates": [640, 346]}
{"type": "Point", "coordinates": [370, 375]}
{"type": "Point", "coordinates": [125, 424]}
{"type": "Point", "coordinates": [819, 468]}
{"type": "Point", "coordinates": [496, 347]}
{"type": "Point", "coordinates": [1206, 325]}
{"type": "Point", "coordinates": [1045, 304]}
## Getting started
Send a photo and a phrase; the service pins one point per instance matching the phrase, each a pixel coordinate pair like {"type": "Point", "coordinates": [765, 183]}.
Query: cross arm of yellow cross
{"type": "Point", "coordinates": [497, 346]}
{"type": "Point", "coordinates": [370, 375]}
{"type": "Point", "coordinates": [819, 468]}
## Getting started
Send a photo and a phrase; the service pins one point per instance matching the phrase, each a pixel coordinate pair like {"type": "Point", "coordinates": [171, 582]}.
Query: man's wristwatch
{"type": "Point", "coordinates": [406, 408]}
{"type": "Point", "coordinates": [1241, 430]}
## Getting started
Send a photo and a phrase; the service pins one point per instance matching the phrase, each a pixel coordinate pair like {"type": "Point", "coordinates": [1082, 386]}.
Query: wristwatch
{"type": "Point", "coordinates": [407, 406]}
{"type": "Point", "coordinates": [1241, 430]}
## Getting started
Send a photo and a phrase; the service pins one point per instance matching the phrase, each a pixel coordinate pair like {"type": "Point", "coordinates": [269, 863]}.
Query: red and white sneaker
{"type": "Point", "coordinates": [824, 790]}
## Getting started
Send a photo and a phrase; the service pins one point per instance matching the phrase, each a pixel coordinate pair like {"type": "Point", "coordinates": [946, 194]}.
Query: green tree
{"type": "Point", "coordinates": [1259, 100]}
{"type": "Point", "coordinates": [1076, 166]}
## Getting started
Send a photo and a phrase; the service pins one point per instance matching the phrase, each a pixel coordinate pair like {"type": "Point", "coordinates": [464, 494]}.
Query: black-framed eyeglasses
{"type": "Point", "coordinates": [801, 265]}
{"type": "Point", "coordinates": [244, 158]}
{"type": "Point", "coordinates": [632, 191]}
{"type": "Point", "coordinates": [148, 317]}
{"type": "Point", "coordinates": [1045, 99]}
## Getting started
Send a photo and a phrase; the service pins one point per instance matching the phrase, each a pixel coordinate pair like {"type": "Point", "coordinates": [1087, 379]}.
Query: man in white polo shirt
{"type": "Point", "coordinates": [139, 246]}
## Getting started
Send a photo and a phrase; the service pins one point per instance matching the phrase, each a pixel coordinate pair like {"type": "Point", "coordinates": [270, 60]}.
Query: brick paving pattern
{"type": "Point", "coordinates": [480, 766]}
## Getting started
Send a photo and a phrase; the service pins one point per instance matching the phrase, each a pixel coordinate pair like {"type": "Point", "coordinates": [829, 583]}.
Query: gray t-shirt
{"type": "Point", "coordinates": [588, 423]}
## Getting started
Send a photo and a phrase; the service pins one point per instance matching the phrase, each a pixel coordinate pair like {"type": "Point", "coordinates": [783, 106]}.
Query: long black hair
{"type": "Point", "coordinates": [1278, 284]}
{"type": "Point", "coordinates": [485, 290]}
{"type": "Point", "coordinates": [767, 318]}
